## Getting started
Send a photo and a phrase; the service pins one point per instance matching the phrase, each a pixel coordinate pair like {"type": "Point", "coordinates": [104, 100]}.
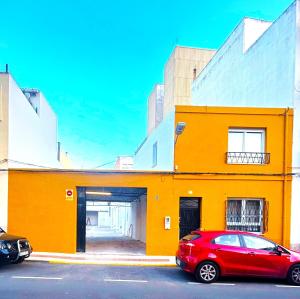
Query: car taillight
{"type": "Point", "coordinates": [190, 246]}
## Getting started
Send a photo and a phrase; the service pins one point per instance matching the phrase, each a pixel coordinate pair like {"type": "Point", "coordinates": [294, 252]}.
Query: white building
{"type": "Point", "coordinates": [28, 133]}
{"type": "Point", "coordinates": [259, 65]}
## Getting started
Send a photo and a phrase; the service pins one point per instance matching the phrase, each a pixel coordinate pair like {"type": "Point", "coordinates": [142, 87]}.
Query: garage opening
{"type": "Point", "coordinates": [111, 220]}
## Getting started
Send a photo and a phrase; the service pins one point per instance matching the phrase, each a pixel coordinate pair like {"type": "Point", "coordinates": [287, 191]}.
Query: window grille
{"type": "Point", "coordinates": [245, 215]}
{"type": "Point", "coordinates": [247, 158]}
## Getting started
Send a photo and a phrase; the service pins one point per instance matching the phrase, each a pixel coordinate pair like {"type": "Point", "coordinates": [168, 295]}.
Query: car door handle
{"type": "Point", "coordinates": [218, 249]}
{"type": "Point", "coordinates": [251, 253]}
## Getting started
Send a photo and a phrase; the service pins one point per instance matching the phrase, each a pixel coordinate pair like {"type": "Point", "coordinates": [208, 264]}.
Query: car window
{"type": "Point", "coordinates": [230, 240]}
{"type": "Point", "coordinates": [191, 237]}
{"type": "Point", "coordinates": [258, 243]}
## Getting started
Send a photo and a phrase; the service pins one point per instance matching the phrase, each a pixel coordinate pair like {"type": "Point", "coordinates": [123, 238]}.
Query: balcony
{"type": "Point", "coordinates": [247, 158]}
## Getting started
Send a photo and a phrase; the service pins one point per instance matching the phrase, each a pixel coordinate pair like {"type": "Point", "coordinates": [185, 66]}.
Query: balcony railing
{"type": "Point", "coordinates": [247, 158]}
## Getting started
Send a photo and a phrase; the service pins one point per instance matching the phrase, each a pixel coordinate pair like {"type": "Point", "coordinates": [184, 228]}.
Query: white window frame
{"type": "Point", "coordinates": [243, 214]}
{"type": "Point", "coordinates": [245, 131]}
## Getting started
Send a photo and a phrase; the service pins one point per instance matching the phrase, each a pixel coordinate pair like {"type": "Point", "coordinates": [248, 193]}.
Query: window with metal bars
{"type": "Point", "coordinates": [246, 215]}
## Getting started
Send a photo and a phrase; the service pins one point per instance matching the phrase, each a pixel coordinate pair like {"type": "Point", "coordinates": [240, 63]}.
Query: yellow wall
{"type": "Point", "coordinates": [39, 210]}
{"type": "Point", "coordinates": [204, 142]}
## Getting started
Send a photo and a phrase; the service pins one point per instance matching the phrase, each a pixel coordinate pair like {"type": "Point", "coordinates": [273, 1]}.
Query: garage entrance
{"type": "Point", "coordinates": [111, 220]}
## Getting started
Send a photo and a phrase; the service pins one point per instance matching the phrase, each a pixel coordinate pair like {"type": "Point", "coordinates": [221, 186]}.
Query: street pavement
{"type": "Point", "coordinates": [42, 280]}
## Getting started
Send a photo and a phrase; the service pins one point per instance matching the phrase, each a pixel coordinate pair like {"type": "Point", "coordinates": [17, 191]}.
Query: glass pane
{"type": "Point", "coordinates": [258, 243]}
{"type": "Point", "coordinates": [235, 141]}
{"type": "Point", "coordinates": [253, 142]}
{"type": "Point", "coordinates": [252, 211]}
{"type": "Point", "coordinates": [230, 240]}
{"type": "Point", "coordinates": [234, 211]}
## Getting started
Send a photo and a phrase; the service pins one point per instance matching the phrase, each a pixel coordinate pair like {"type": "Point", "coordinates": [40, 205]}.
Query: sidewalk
{"type": "Point", "coordinates": [103, 259]}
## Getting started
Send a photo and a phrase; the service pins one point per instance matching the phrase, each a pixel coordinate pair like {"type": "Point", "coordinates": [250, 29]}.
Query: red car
{"type": "Point", "coordinates": [211, 254]}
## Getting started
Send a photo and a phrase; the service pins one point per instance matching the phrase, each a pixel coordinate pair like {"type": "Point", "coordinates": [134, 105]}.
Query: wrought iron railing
{"type": "Point", "coordinates": [247, 158]}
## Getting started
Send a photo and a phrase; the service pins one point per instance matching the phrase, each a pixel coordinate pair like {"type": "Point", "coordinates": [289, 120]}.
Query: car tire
{"type": "Point", "coordinates": [207, 272]}
{"type": "Point", "coordinates": [293, 276]}
{"type": "Point", "coordinates": [19, 260]}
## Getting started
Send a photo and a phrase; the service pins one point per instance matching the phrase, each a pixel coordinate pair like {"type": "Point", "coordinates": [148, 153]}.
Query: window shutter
{"type": "Point", "coordinates": [265, 215]}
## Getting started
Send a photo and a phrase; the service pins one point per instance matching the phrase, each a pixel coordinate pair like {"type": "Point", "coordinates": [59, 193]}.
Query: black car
{"type": "Point", "coordinates": [13, 249]}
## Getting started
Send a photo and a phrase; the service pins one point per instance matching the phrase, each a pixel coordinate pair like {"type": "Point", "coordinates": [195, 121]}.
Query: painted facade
{"type": "Point", "coordinates": [259, 66]}
{"type": "Point", "coordinates": [38, 207]}
{"type": "Point", "coordinates": [28, 133]}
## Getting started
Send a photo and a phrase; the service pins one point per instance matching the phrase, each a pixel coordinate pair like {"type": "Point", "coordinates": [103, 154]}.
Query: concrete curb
{"type": "Point", "coordinates": [105, 260]}
{"type": "Point", "coordinates": [111, 263]}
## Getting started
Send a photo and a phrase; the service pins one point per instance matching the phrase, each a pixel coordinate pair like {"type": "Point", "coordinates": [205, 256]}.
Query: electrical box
{"type": "Point", "coordinates": [167, 222]}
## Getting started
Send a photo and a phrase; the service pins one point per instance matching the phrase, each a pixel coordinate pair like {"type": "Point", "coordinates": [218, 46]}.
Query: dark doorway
{"type": "Point", "coordinates": [111, 220]}
{"type": "Point", "coordinates": [189, 215]}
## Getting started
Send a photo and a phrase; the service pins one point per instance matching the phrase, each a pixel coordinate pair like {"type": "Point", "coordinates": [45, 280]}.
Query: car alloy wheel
{"type": "Point", "coordinates": [294, 275]}
{"type": "Point", "coordinates": [207, 272]}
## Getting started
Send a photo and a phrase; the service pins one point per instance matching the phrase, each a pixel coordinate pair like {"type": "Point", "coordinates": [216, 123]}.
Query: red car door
{"type": "Point", "coordinates": [230, 255]}
{"type": "Point", "coordinates": [263, 260]}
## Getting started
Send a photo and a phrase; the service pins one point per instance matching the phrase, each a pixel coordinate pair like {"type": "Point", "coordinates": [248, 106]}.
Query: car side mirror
{"type": "Point", "coordinates": [278, 250]}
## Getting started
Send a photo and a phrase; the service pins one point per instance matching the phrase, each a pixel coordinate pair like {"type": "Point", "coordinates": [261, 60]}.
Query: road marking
{"type": "Point", "coordinates": [125, 280]}
{"type": "Point", "coordinates": [37, 277]}
{"type": "Point", "coordinates": [285, 286]}
{"type": "Point", "coordinates": [216, 283]}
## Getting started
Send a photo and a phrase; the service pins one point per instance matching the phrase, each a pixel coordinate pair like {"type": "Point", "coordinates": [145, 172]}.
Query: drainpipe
{"type": "Point", "coordinates": [284, 196]}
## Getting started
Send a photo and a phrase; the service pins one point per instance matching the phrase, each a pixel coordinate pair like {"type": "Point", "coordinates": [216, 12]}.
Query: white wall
{"type": "Point", "coordinates": [139, 209]}
{"type": "Point", "coordinates": [267, 74]}
{"type": "Point", "coordinates": [263, 76]}
{"type": "Point", "coordinates": [295, 225]}
{"type": "Point", "coordinates": [32, 137]}
{"type": "Point", "coordinates": [164, 136]}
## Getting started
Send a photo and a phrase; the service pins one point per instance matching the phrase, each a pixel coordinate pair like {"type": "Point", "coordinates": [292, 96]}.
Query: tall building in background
{"type": "Point", "coordinates": [124, 163]}
{"type": "Point", "coordinates": [180, 70]}
{"type": "Point", "coordinates": [184, 64]}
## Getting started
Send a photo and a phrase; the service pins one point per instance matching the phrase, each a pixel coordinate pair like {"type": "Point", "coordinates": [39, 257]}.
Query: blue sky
{"type": "Point", "coordinates": [97, 61]}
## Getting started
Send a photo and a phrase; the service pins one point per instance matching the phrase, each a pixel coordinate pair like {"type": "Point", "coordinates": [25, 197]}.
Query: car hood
{"type": "Point", "coordinates": [7, 237]}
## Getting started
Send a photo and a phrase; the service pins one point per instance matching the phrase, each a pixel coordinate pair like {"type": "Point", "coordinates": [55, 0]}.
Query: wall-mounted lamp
{"type": "Point", "coordinates": [179, 129]}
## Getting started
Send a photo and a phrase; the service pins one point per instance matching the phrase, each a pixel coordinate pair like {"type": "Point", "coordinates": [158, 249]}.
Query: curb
{"type": "Point", "coordinates": [110, 263]}
{"type": "Point", "coordinates": [136, 261]}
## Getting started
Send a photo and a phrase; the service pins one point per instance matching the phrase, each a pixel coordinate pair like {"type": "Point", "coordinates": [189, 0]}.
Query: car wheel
{"type": "Point", "coordinates": [207, 272]}
{"type": "Point", "coordinates": [294, 275]}
{"type": "Point", "coordinates": [19, 260]}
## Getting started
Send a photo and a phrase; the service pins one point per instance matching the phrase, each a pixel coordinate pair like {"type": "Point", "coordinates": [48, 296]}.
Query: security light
{"type": "Point", "coordinates": [180, 128]}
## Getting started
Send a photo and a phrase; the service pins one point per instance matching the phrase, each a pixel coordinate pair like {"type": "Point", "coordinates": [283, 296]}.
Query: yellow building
{"type": "Point", "coordinates": [231, 171]}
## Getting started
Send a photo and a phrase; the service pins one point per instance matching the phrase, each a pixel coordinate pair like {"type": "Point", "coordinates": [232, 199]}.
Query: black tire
{"type": "Point", "coordinates": [19, 260]}
{"type": "Point", "coordinates": [207, 272]}
{"type": "Point", "coordinates": [293, 276]}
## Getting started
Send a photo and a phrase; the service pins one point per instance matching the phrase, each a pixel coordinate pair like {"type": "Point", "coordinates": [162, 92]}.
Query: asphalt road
{"type": "Point", "coordinates": [35, 280]}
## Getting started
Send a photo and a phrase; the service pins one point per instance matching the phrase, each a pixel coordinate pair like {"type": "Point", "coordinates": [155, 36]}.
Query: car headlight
{"type": "Point", "coordinates": [2, 245]}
